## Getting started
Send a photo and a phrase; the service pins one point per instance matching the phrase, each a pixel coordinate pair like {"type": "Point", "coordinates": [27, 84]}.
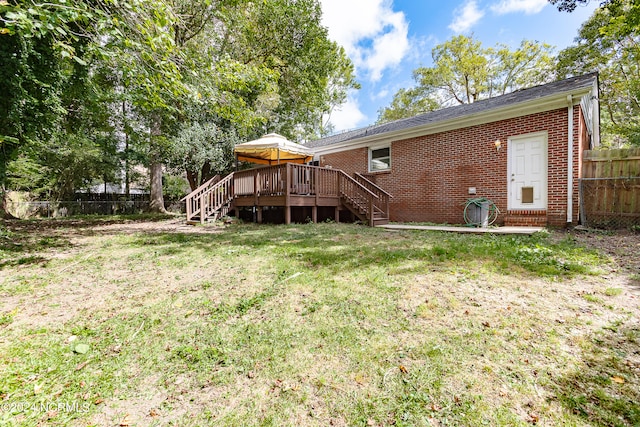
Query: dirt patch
{"type": "Point", "coordinates": [621, 246]}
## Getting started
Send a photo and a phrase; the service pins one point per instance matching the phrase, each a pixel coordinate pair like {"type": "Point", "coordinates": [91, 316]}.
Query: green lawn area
{"type": "Point", "coordinates": [122, 323]}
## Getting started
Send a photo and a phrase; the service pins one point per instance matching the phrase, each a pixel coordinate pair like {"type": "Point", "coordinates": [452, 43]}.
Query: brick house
{"type": "Point", "coordinates": [522, 150]}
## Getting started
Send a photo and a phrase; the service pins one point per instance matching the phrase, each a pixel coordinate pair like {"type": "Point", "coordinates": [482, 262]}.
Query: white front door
{"type": "Point", "coordinates": [527, 172]}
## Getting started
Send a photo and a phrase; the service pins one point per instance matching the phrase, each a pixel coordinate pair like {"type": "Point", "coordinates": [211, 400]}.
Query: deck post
{"type": "Point", "coordinates": [314, 213]}
{"type": "Point", "coordinates": [259, 214]}
{"type": "Point", "coordinates": [201, 209]}
{"type": "Point", "coordinates": [371, 216]}
{"type": "Point", "coordinates": [287, 195]}
{"type": "Point", "coordinates": [316, 184]}
{"type": "Point", "coordinates": [337, 214]}
{"type": "Point", "coordinates": [188, 205]}
{"type": "Point", "coordinates": [256, 191]}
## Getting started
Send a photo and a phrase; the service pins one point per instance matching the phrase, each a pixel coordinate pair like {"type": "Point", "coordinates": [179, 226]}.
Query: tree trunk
{"type": "Point", "coordinates": [156, 202]}
{"type": "Point", "coordinates": [127, 184]}
{"type": "Point", "coordinates": [4, 214]}
{"type": "Point", "coordinates": [192, 177]}
{"type": "Point", "coordinates": [206, 174]}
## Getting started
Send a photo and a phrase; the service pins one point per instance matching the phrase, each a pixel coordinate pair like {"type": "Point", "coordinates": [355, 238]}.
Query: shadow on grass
{"type": "Point", "coordinates": [76, 222]}
{"type": "Point", "coordinates": [20, 239]}
{"type": "Point", "coordinates": [26, 260]}
{"type": "Point", "coordinates": [338, 247]}
{"type": "Point", "coordinates": [19, 248]}
{"type": "Point", "coordinates": [605, 389]}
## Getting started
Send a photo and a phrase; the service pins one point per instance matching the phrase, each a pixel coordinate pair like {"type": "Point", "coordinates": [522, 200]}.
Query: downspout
{"type": "Point", "coordinates": [570, 161]}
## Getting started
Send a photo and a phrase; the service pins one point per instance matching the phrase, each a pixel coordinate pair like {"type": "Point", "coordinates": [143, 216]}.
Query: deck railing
{"type": "Point", "coordinates": [218, 199]}
{"type": "Point", "coordinates": [212, 198]}
{"type": "Point", "coordinates": [358, 196]}
{"type": "Point", "coordinates": [364, 198]}
{"type": "Point", "coordinates": [381, 204]}
{"type": "Point", "coordinates": [194, 199]}
{"type": "Point", "coordinates": [289, 178]}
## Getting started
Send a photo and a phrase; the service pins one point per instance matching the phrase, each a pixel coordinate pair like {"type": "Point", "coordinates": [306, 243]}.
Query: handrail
{"type": "Point", "coordinates": [383, 204]}
{"type": "Point", "coordinates": [210, 182]}
{"type": "Point", "coordinates": [360, 196]}
{"type": "Point", "coordinates": [371, 183]}
{"type": "Point", "coordinates": [344, 174]}
{"type": "Point", "coordinates": [207, 198]}
{"type": "Point", "coordinates": [217, 196]}
{"type": "Point", "coordinates": [282, 183]}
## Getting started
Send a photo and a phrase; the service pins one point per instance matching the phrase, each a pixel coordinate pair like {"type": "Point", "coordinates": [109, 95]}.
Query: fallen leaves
{"type": "Point", "coordinates": [125, 422]}
{"type": "Point", "coordinates": [618, 380]}
{"type": "Point", "coordinates": [79, 366]}
{"type": "Point", "coordinates": [81, 348]}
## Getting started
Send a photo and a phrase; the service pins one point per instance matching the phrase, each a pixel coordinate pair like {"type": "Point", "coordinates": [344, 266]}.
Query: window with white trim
{"type": "Point", "coordinates": [379, 159]}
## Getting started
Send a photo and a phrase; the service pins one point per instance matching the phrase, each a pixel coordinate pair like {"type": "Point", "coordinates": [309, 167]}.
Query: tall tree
{"type": "Point", "coordinates": [465, 72]}
{"type": "Point", "coordinates": [271, 67]}
{"type": "Point", "coordinates": [85, 77]}
{"type": "Point", "coordinates": [609, 44]}
{"type": "Point", "coordinates": [43, 46]}
{"type": "Point", "coordinates": [313, 72]}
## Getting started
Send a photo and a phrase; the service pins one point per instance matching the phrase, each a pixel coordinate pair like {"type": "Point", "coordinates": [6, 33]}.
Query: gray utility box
{"type": "Point", "coordinates": [478, 214]}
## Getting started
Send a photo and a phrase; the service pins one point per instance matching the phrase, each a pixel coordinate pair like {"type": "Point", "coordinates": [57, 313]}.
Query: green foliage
{"type": "Point", "coordinates": [609, 42]}
{"type": "Point", "coordinates": [26, 174]}
{"type": "Point", "coordinates": [313, 73]}
{"type": "Point", "coordinates": [175, 187]}
{"type": "Point", "coordinates": [200, 144]}
{"type": "Point", "coordinates": [465, 72]}
{"type": "Point", "coordinates": [407, 103]}
{"type": "Point", "coordinates": [570, 5]}
{"type": "Point", "coordinates": [94, 87]}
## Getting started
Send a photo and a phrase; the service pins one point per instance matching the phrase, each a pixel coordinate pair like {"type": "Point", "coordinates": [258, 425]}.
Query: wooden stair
{"type": "Point", "coordinates": [364, 199]}
{"type": "Point", "coordinates": [288, 185]}
{"type": "Point", "coordinates": [360, 209]}
{"type": "Point", "coordinates": [211, 201]}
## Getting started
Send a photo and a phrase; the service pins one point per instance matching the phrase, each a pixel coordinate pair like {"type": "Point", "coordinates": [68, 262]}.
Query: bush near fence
{"type": "Point", "coordinates": [90, 204]}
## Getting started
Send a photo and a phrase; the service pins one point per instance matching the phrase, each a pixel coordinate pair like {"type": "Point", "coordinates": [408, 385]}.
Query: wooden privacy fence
{"type": "Point", "coordinates": [610, 188]}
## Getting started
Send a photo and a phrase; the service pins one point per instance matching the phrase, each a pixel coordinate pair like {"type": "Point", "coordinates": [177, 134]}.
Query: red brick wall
{"type": "Point", "coordinates": [430, 175]}
{"type": "Point", "coordinates": [349, 161]}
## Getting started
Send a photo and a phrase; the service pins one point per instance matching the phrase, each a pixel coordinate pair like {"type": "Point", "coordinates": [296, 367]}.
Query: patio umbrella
{"type": "Point", "coordinates": [272, 149]}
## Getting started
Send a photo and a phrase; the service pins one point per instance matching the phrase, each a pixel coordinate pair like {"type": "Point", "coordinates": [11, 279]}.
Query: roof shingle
{"type": "Point", "coordinates": [459, 111]}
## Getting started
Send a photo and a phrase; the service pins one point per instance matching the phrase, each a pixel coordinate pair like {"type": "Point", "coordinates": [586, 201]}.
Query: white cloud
{"type": "Point", "coordinates": [530, 7]}
{"type": "Point", "coordinates": [466, 17]}
{"type": "Point", "coordinates": [380, 95]}
{"type": "Point", "coordinates": [348, 115]}
{"type": "Point", "coordinates": [373, 35]}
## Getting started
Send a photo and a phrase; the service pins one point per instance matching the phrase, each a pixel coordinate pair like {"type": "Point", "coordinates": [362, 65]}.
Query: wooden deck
{"type": "Point", "coordinates": [290, 186]}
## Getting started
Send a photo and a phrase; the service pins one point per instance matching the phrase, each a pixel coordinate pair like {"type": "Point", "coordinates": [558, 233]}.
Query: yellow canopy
{"type": "Point", "coordinates": [272, 149]}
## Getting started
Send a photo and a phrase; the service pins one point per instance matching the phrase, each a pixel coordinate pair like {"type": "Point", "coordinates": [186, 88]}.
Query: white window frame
{"type": "Point", "coordinates": [371, 150]}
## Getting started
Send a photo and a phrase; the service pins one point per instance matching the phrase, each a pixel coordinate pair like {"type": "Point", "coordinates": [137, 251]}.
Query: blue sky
{"type": "Point", "coordinates": [388, 39]}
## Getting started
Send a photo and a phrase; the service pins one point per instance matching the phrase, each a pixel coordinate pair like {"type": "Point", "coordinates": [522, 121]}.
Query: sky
{"type": "Point", "coordinates": [388, 39]}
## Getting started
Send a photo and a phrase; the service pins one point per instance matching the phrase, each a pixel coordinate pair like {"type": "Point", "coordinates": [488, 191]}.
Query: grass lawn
{"type": "Point", "coordinates": [123, 323]}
